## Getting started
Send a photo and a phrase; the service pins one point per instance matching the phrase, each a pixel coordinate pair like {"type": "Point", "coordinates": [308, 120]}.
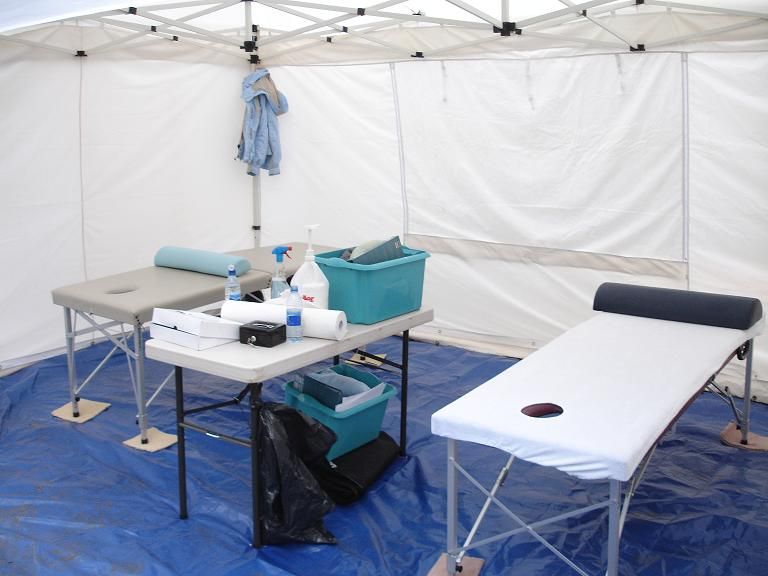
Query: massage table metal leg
{"type": "Point", "coordinates": [76, 409]}
{"type": "Point", "coordinates": [737, 433]}
{"type": "Point", "coordinates": [138, 351]}
{"type": "Point", "coordinates": [747, 394]}
{"type": "Point", "coordinates": [614, 527]}
{"type": "Point", "coordinates": [452, 516]}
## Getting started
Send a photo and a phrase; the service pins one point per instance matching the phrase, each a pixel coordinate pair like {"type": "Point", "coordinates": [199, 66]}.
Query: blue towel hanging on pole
{"type": "Point", "coordinates": [260, 140]}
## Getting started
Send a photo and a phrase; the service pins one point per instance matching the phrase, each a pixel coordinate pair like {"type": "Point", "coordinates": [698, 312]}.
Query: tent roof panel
{"type": "Point", "coordinates": [302, 31]}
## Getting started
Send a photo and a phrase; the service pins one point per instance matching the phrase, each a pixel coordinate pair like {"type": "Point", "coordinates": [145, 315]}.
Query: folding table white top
{"type": "Point", "coordinates": [245, 363]}
{"type": "Point", "coordinates": [620, 381]}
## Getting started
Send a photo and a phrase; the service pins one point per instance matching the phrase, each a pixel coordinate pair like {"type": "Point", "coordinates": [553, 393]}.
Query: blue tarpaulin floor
{"type": "Point", "coordinates": [75, 500]}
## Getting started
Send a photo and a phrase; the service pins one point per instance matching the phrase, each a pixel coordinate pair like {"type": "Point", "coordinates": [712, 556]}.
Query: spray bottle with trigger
{"type": "Point", "coordinates": [279, 283]}
{"type": "Point", "coordinates": [310, 279]}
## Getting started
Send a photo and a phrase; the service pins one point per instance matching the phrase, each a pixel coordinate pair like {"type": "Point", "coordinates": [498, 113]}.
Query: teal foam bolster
{"type": "Point", "coordinates": [203, 261]}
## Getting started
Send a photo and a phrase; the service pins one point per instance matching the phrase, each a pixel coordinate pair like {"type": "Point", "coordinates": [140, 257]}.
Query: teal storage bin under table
{"type": "Point", "coordinates": [370, 293]}
{"type": "Point", "coordinates": [354, 427]}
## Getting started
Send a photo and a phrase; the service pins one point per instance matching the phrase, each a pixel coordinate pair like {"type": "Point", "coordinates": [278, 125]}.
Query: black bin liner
{"type": "Point", "coordinates": [292, 503]}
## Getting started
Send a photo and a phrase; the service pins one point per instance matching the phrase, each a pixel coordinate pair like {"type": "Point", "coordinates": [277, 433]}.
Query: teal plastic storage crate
{"type": "Point", "coordinates": [353, 427]}
{"type": "Point", "coordinates": [370, 293]}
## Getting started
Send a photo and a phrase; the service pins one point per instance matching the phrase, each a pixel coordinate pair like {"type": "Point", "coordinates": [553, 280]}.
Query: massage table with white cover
{"type": "Point", "coordinates": [595, 401]}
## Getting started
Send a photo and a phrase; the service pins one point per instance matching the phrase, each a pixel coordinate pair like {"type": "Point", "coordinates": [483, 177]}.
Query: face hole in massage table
{"type": "Point", "coordinates": [123, 290]}
{"type": "Point", "coordinates": [542, 410]}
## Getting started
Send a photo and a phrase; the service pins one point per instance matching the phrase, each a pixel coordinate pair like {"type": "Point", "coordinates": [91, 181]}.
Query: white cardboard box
{"type": "Point", "coordinates": [194, 330]}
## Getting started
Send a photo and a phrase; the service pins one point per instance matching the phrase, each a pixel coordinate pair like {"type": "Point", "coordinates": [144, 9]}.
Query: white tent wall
{"type": "Point", "coordinates": [729, 171]}
{"type": "Point", "coordinates": [341, 165]}
{"type": "Point", "coordinates": [40, 216]}
{"type": "Point", "coordinates": [533, 181]}
{"type": "Point", "coordinates": [186, 192]}
{"type": "Point", "coordinates": [105, 159]}
{"type": "Point", "coordinates": [532, 167]}
{"type": "Point", "coordinates": [550, 153]}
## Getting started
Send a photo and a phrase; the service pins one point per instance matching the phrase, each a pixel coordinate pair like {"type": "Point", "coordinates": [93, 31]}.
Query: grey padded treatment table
{"type": "Point", "coordinates": [128, 299]}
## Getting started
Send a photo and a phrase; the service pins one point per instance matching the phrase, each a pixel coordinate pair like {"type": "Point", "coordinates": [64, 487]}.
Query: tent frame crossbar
{"type": "Point", "coordinates": [165, 30]}
{"type": "Point", "coordinates": [339, 28]}
{"type": "Point", "coordinates": [576, 40]}
{"type": "Point", "coordinates": [533, 34]}
{"type": "Point", "coordinates": [157, 31]}
{"type": "Point", "coordinates": [318, 23]}
{"type": "Point", "coordinates": [162, 34]}
{"type": "Point", "coordinates": [34, 44]}
{"type": "Point", "coordinates": [210, 10]}
{"type": "Point", "coordinates": [176, 5]}
{"type": "Point", "coordinates": [705, 33]}
{"type": "Point", "coordinates": [475, 12]}
{"type": "Point", "coordinates": [179, 23]}
{"type": "Point", "coordinates": [394, 16]}
{"type": "Point", "coordinates": [310, 43]}
{"type": "Point", "coordinates": [711, 9]}
{"type": "Point", "coordinates": [602, 25]}
{"type": "Point", "coordinates": [119, 41]}
{"type": "Point", "coordinates": [562, 12]}
{"type": "Point", "coordinates": [330, 29]}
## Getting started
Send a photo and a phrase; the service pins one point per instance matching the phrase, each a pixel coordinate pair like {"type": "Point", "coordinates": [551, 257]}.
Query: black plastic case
{"type": "Point", "coordinates": [265, 334]}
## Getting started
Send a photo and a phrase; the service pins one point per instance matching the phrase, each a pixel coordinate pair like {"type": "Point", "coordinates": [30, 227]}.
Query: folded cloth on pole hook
{"type": "Point", "coordinates": [260, 140]}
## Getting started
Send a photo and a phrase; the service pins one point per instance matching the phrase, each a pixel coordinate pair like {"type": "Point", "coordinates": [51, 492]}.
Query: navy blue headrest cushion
{"type": "Point", "coordinates": [679, 305]}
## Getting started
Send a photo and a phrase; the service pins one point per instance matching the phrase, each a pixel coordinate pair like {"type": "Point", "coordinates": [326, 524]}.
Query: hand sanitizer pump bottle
{"type": "Point", "coordinates": [313, 283]}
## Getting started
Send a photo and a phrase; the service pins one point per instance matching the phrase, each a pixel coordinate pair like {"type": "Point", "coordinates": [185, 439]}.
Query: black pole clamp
{"type": "Point", "coordinates": [506, 29]}
{"type": "Point", "coordinates": [743, 350]}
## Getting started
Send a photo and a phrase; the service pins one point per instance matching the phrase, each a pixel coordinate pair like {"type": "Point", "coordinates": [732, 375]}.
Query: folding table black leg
{"type": "Point", "coordinates": [180, 443]}
{"type": "Point", "coordinates": [255, 404]}
{"type": "Point", "coordinates": [404, 394]}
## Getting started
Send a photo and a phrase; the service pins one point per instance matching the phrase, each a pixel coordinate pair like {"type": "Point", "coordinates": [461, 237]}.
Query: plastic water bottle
{"type": "Point", "coordinates": [293, 316]}
{"type": "Point", "coordinates": [232, 287]}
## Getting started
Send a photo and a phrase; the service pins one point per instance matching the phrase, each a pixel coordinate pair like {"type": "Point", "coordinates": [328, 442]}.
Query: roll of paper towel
{"type": "Point", "coordinates": [315, 323]}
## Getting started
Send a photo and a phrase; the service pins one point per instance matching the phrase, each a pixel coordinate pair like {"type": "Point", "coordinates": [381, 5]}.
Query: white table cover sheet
{"type": "Point", "coordinates": [620, 380]}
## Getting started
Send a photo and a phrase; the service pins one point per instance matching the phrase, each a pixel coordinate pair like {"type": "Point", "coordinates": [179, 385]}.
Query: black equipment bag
{"type": "Point", "coordinates": [348, 477]}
